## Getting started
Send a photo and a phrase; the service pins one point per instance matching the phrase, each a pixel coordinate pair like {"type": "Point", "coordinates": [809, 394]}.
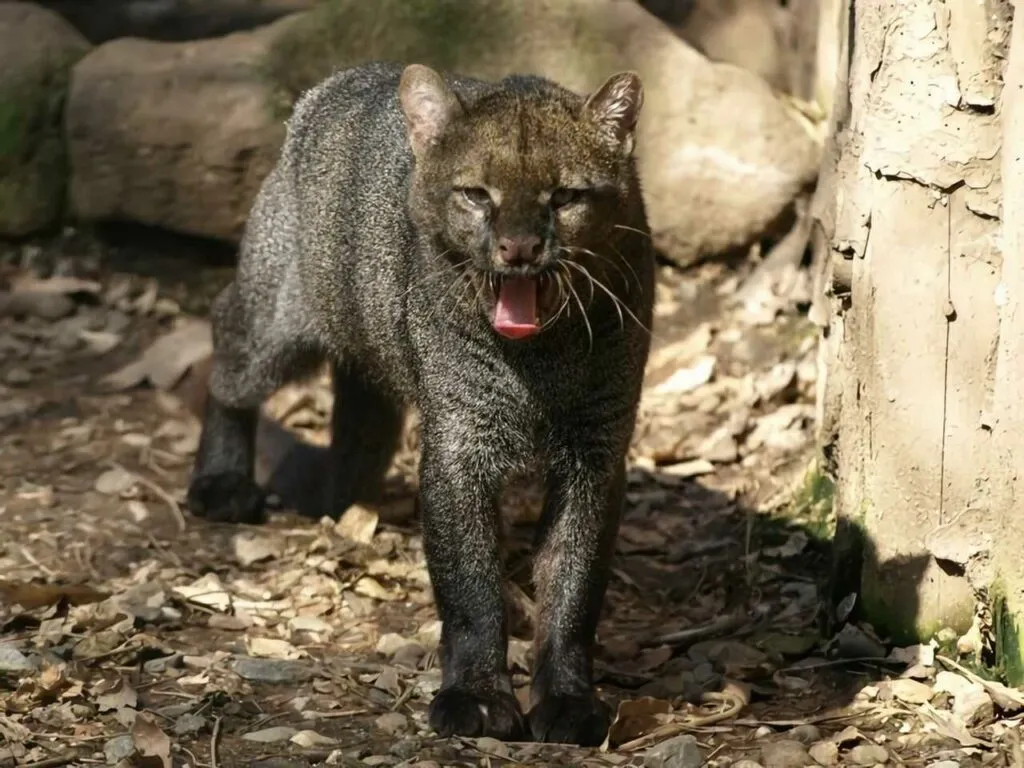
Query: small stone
{"type": "Point", "coordinates": [825, 753]}
{"type": "Point", "coordinates": [18, 377]}
{"type": "Point", "coordinates": [389, 644]}
{"type": "Point", "coordinates": [189, 724]}
{"type": "Point", "coordinates": [45, 305]}
{"type": "Point", "coordinates": [945, 764]}
{"type": "Point", "coordinates": [746, 764]}
{"type": "Point", "coordinates": [161, 665]}
{"type": "Point", "coordinates": [867, 754]}
{"type": "Point", "coordinates": [409, 655]}
{"type": "Point", "coordinates": [13, 661]}
{"type": "Point", "coordinates": [678, 752]}
{"type": "Point", "coordinates": [374, 760]}
{"type": "Point", "coordinates": [785, 753]}
{"type": "Point", "coordinates": [910, 691]}
{"type": "Point", "coordinates": [393, 723]}
{"type": "Point", "coordinates": [271, 670]}
{"type": "Point", "coordinates": [853, 642]}
{"type": "Point", "coordinates": [406, 749]}
{"type": "Point", "coordinates": [763, 731]}
{"type": "Point", "coordinates": [273, 735]}
{"type": "Point", "coordinates": [118, 748]}
{"type": "Point", "coordinates": [114, 481]}
{"type": "Point", "coordinates": [805, 734]}
{"type": "Point", "coordinates": [492, 746]}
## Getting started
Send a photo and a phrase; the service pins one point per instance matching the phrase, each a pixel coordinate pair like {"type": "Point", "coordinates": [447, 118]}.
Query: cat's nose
{"type": "Point", "coordinates": [516, 251]}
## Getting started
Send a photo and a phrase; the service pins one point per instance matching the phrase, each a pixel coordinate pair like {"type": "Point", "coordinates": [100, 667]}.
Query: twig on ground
{"type": "Point", "coordinates": [52, 762]}
{"type": "Point", "coordinates": [213, 742]}
{"type": "Point", "coordinates": [734, 705]}
{"type": "Point", "coordinates": [719, 626]}
{"type": "Point", "coordinates": [160, 492]}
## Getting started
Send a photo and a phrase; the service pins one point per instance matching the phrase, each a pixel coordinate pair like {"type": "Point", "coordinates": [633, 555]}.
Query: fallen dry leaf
{"type": "Point", "coordinates": [272, 648]}
{"type": "Point", "coordinates": [168, 358]}
{"type": "Point", "coordinates": [688, 379]}
{"type": "Point", "coordinates": [122, 695]}
{"type": "Point", "coordinates": [150, 741]}
{"type": "Point", "coordinates": [62, 284]}
{"type": "Point", "coordinates": [636, 718]}
{"type": "Point", "coordinates": [252, 548]}
{"type": "Point", "coordinates": [30, 596]}
{"type": "Point", "coordinates": [357, 524]}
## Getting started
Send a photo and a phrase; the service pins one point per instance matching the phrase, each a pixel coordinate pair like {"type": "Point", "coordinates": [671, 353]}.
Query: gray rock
{"type": "Point", "coordinates": [393, 723]}
{"type": "Point", "coordinates": [406, 749]}
{"type": "Point", "coordinates": [271, 670]}
{"type": "Point", "coordinates": [118, 748]}
{"type": "Point", "coordinates": [696, 167]}
{"type": "Point", "coordinates": [825, 753]}
{"type": "Point", "coordinates": [785, 753]}
{"type": "Point", "coordinates": [189, 724]}
{"type": "Point", "coordinates": [806, 734]}
{"type": "Point", "coordinates": [679, 752]}
{"type": "Point", "coordinates": [853, 642]}
{"type": "Point", "coordinates": [867, 754]}
{"type": "Point", "coordinates": [37, 49]}
{"type": "Point", "coordinates": [164, 663]}
{"type": "Point", "coordinates": [13, 661]}
{"type": "Point", "coordinates": [41, 304]}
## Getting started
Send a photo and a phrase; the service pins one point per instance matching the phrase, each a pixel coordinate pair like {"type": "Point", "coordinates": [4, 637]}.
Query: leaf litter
{"type": "Point", "coordinates": [131, 640]}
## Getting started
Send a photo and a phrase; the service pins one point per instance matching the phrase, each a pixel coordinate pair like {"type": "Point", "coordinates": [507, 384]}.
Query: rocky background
{"type": "Point", "coordinates": [133, 137]}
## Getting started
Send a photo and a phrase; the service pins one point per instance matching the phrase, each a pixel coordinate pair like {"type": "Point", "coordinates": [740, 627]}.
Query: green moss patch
{"type": "Point", "coordinates": [341, 33]}
{"type": "Point", "coordinates": [33, 153]}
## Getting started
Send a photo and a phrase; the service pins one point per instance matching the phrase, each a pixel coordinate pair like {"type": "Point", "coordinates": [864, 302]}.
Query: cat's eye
{"type": "Point", "coordinates": [563, 196]}
{"type": "Point", "coordinates": [477, 196]}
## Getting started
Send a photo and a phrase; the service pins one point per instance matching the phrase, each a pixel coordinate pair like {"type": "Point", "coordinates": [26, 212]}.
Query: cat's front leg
{"type": "Point", "coordinates": [459, 486]}
{"type": "Point", "coordinates": [576, 541]}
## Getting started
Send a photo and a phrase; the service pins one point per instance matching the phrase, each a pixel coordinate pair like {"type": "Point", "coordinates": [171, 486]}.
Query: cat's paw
{"type": "Point", "coordinates": [582, 720]}
{"type": "Point", "coordinates": [230, 497]}
{"type": "Point", "coordinates": [468, 712]}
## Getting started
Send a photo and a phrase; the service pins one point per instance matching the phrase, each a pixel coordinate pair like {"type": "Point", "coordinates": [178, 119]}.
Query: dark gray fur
{"type": "Point", "coordinates": [333, 268]}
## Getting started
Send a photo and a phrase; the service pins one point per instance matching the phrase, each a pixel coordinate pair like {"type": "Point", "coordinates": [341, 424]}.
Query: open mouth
{"type": "Point", "coordinates": [521, 303]}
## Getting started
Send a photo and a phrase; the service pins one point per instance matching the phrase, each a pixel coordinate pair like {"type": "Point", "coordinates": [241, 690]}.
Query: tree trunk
{"type": "Point", "coordinates": [919, 355]}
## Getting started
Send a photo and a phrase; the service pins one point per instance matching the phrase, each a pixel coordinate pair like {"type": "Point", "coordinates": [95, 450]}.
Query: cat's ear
{"type": "Point", "coordinates": [615, 108]}
{"type": "Point", "coordinates": [428, 104]}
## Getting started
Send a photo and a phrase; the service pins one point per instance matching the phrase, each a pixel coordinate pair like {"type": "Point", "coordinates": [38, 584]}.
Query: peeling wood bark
{"type": "Point", "coordinates": [909, 210]}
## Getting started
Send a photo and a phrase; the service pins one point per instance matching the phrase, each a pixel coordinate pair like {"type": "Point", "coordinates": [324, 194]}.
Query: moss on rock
{"type": "Point", "coordinates": [446, 34]}
{"type": "Point", "coordinates": [37, 51]}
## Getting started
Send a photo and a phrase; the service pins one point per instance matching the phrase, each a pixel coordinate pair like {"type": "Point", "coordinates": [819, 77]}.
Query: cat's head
{"type": "Point", "coordinates": [526, 190]}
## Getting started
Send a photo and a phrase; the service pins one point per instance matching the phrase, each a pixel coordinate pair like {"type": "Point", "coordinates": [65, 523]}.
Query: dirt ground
{"type": "Point", "coordinates": [134, 634]}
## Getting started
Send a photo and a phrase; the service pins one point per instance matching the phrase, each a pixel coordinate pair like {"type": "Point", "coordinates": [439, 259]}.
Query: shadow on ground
{"type": "Point", "coordinates": [304, 640]}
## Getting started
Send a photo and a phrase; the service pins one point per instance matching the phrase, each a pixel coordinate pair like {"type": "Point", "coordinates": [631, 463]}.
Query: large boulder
{"type": "Point", "coordinates": [752, 34]}
{"type": "Point", "coordinates": [102, 20]}
{"type": "Point", "coordinates": [37, 49]}
{"type": "Point", "coordinates": [153, 125]}
{"type": "Point", "coordinates": [177, 135]}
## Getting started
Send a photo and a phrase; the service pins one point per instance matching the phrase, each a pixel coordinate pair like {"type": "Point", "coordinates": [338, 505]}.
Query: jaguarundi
{"type": "Point", "coordinates": [479, 251]}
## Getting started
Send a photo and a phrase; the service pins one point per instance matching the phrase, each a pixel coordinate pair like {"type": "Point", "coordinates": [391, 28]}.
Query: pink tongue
{"type": "Point", "coordinates": [515, 316]}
